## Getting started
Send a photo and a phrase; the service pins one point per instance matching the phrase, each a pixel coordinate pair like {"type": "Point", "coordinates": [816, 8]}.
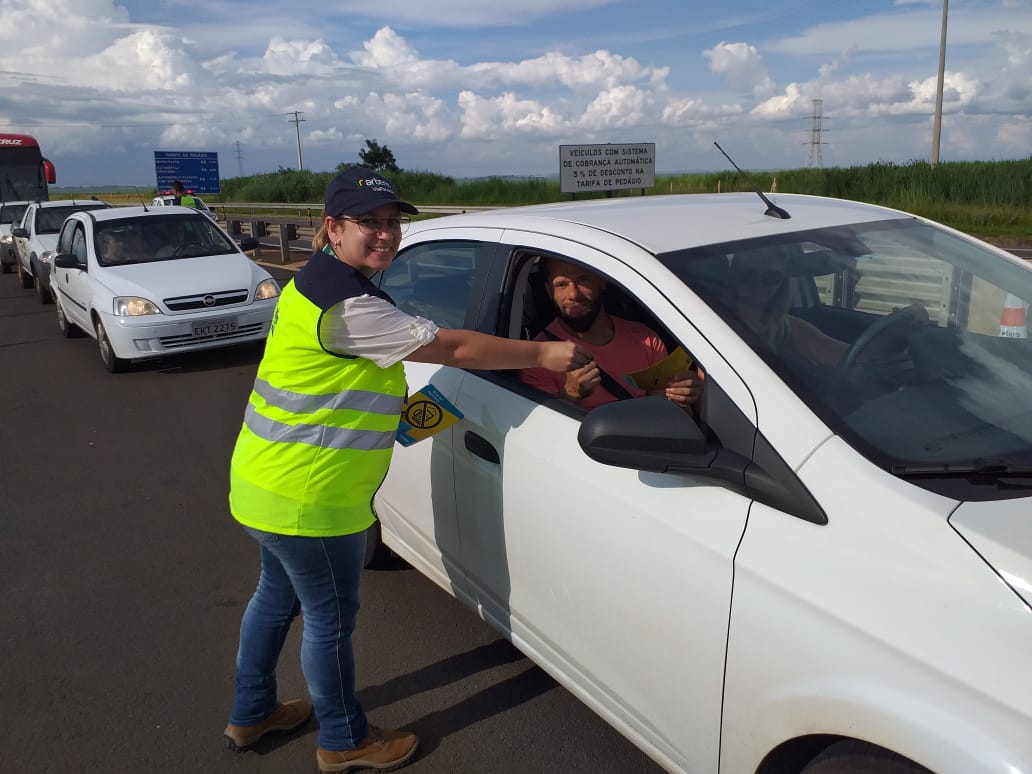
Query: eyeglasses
{"type": "Point", "coordinates": [767, 277]}
{"type": "Point", "coordinates": [373, 226]}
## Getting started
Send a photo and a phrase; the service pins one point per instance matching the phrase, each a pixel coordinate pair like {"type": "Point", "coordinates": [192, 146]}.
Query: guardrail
{"type": "Point", "coordinates": [289, 228]}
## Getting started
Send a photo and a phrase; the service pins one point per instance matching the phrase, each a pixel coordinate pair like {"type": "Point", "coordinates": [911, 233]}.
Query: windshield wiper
{"type": "Point", "coordinates": [979, 471]}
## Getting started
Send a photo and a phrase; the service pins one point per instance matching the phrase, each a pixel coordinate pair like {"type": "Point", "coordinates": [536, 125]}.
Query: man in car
{"type": "Point", "coordinates": [619, 346]}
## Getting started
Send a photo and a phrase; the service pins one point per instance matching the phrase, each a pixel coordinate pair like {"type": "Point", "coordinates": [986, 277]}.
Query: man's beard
{"type": "Point", "coordinates": [584, 321]}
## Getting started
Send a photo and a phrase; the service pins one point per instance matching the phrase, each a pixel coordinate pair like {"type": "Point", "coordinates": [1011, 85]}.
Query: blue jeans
{"type": "Point", "coordinates": [319, 577]}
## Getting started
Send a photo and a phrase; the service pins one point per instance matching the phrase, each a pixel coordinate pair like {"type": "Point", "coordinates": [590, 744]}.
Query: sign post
{"type": "Point", "coordinates": [197, 170]}
{"type": "Point", "coordinates": [608, 167]}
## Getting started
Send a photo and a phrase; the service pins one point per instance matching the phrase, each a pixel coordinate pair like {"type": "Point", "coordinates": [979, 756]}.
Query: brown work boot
{"type": "Point", "coordinates": [381, 750]}
{"type": "Point", "coordinates": [286, 717]}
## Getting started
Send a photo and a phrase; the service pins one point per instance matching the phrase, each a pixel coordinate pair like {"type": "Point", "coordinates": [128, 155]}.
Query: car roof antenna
{"type": "Point", "coordinates": [772, 209]}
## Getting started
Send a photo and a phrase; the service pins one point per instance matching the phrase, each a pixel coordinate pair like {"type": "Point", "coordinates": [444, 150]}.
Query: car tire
{"type": "Point", "coordinates": [853, 757]}
{"type": "Point", "coordinates": [68, 329]}
{"type": "Point", "coordinates": [43, 294]}
{"type": "Point", "coordinates": [111, 361]}
{"type": "Point", "coordinates": [376, 553]}
{"type": "Point", "coordinates": [26, 279]}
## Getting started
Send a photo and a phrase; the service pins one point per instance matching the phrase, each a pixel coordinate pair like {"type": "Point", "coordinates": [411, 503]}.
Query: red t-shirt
{"type": "Point", "coordinates": [633, 347]}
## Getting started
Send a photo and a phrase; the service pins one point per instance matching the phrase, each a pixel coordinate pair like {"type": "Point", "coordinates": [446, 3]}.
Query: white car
{"type": "Point", "coordinates": [35, 239]}
{"type": "Point", "coordinates": [148, 282]}
{"type": "Point", "coordinates": [11, 214]}
{"type": "Point", "coordinates": [828, 568]}
{"type": "Point", "coordinates": [167, 200]}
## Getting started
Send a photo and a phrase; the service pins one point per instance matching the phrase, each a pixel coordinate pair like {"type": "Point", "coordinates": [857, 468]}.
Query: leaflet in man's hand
{"type": "Point", "coordinates": [656, 377]}
{"type": "Point", "coordinates": [425, 413]}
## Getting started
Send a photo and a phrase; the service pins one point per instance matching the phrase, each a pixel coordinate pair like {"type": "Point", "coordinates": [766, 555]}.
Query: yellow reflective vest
{"type": "Point", "coordinates": [319, 427]}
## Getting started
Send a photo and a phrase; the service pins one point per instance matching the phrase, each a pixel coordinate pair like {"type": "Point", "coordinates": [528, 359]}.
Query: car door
{"type": "Point", "coordinates": [617, 581]}
{"type": "Point", "coordinates": [74, 284]}
{"type": "Point", "coordinates": [435, 279]}
{"type": "Point", "coordinates": [23, 245]}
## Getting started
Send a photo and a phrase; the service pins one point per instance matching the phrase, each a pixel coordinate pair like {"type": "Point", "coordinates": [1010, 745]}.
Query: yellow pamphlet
{"type": "Point", "coordinates": [425, 413]}
{"type": "Point", "coordinates": [657, 376]}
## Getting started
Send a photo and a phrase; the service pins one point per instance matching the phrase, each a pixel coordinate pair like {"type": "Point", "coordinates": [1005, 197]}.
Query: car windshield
{"type": "Point", "coordinates": [49, 219]}
{"type": "Point", "coordinates": [158, 238]}
{"type": "Point", "coordinates": [12, 213]}
{"type": "Point", "coordinates": [907, 340]}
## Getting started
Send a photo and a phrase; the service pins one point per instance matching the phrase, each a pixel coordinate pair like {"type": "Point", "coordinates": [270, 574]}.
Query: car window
{"type": "Point", "coordinates": [64, 241]}
{"type": "Point", "coordinates": [158, 238]}
{"type": "Point", "coordinates": [49, 219]}
{"type": "Point", "coordinates": [79, 244]}
{"type": "Point", "coordinates": [11, 214]}
{"type": "Point", "coordinates": [531, 309]}
{"type": "Point", "coordinates": [434, 281]}
{"type": "Point", "coordinates": [899, 335]}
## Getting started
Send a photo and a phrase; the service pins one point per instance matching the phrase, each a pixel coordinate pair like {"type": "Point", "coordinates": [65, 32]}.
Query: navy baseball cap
{"type": "Point", "coordinates": [359, 190]}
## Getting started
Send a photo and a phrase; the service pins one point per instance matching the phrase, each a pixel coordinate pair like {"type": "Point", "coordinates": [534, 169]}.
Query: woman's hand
{"type": "Point", "coordinates": [563, 356]}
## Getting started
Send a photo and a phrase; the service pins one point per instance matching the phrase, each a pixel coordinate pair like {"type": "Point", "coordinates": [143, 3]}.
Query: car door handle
{"type": "Point", "coordinates": [481, 447]}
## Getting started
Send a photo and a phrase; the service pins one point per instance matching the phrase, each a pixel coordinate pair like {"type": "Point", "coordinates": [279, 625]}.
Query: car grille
{"type": "Point", "coordinates": [206, 300]}
{"type": "Point", "coordinates": [188, 339]}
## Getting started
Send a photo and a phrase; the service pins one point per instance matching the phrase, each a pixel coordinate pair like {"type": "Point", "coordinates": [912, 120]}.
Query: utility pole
{"type": "Point", "coordinates": [296, 121]}
{"type": "Point", "coordinates": [816, 158]}
{"type": "Point", "coordinates": [937, 128]}
{"type": "Point", "coordinates": [240, 156]}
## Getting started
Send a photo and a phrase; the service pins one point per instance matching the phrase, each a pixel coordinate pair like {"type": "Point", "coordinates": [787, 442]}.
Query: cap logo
{"type": "Point", "coordinates": [375, 184]}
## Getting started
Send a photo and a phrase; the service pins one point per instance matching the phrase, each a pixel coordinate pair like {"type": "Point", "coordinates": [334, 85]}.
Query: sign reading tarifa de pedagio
{"type": "Point", "coordinates": [606, 167]}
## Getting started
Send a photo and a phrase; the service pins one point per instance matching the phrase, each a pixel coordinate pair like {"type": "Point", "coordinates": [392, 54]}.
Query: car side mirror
{"type": "Point", "coordinates": [248, 243]}
{"type": "Point", "coordinates": [648, 433]}
{"type": "Point", "coordinates": [67, 261]}
{"type": "Point", "coordinates": [20, 232]}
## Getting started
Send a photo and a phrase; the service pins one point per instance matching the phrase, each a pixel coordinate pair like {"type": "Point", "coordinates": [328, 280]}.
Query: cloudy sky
{"type": "Point", "coordinates": [483, 87]}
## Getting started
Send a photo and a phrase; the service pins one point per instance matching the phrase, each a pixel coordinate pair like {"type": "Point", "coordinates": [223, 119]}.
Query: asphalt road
{"type": "Point", "coordinates": [123, 578]}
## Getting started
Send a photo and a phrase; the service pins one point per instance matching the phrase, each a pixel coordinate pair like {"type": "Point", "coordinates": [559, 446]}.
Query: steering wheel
{"type": "Point", "coordinates": [186, 247]}
{"type": "Point", "coordinates": [906, 316]}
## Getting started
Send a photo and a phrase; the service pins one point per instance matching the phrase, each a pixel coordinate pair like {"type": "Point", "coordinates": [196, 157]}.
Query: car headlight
{"type": "Point", "coordinates": [44, 257]}
{"type": "Point", "coordinates": [7, 239]}
{"type": "Point", "coordinates": [266, 289]}
{"type": "Point", "coordinates": [131, 306]}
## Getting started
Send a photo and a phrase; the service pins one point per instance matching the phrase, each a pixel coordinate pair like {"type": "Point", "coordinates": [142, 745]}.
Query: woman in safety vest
{"type": "Point", "coordinates": [315, 445]}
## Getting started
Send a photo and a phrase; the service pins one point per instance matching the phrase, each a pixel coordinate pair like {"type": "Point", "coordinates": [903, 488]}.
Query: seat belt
{"type": "Point", "coordinates": [612, 385]}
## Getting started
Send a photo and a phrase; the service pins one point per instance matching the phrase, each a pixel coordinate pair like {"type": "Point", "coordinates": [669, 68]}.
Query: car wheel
{"type": "Point", "coordinates": [25, 277]}
{"type": "Point", "coordinates": [68, 329]}
{"type": "Point", "coordinates": [42, 293]}
{"type": "Point", "coordinates": [112, 362]}
{"type": "Point", "coordinates": [376, 553]}
{"type": "Point", "coordinates": [852, 757]}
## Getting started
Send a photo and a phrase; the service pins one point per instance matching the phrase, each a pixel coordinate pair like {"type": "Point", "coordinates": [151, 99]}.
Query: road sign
{"type": "Point", "coordinates": [606, 167]}
{"type": "Point", "coordinates": [197, 170]}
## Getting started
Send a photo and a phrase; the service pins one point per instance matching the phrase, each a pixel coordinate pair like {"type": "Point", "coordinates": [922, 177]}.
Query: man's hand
{"type": "Point", "coordinates": [563, 356]}
{"type": "Point", "coordinates": [684, 389]}
{"type": "Point", "coordinates": [581, 382]}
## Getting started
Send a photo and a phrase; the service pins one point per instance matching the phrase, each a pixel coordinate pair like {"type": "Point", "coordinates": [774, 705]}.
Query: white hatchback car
{"type": "Point", "coordinates": [148, 282]}
{"type": "Point", "coordinates": [35, 239]}
{"type": "Point", "coordinates": [828, 566]}
{"type": "Point", "coordinates": [167, 200]}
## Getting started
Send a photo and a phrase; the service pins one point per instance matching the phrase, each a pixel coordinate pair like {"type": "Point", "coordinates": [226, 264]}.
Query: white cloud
{"type": "Point", "coordinates": [742, 66]}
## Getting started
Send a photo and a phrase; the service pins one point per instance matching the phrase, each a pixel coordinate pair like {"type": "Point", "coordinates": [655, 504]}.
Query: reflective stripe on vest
{"type": "Point", "coordinates": [317, 435]}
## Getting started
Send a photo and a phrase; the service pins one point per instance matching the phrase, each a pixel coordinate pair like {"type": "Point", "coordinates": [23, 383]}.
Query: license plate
{"type": "Point", "coordinates": [214, 327]}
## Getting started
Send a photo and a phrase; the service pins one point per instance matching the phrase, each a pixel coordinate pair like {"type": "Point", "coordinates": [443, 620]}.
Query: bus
{"type": "Point", "coordinates": [24, 173]}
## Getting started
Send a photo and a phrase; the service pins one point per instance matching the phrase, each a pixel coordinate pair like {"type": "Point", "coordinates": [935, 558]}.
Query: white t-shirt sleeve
{"type": "Point", "coordinates": [370, 327]}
